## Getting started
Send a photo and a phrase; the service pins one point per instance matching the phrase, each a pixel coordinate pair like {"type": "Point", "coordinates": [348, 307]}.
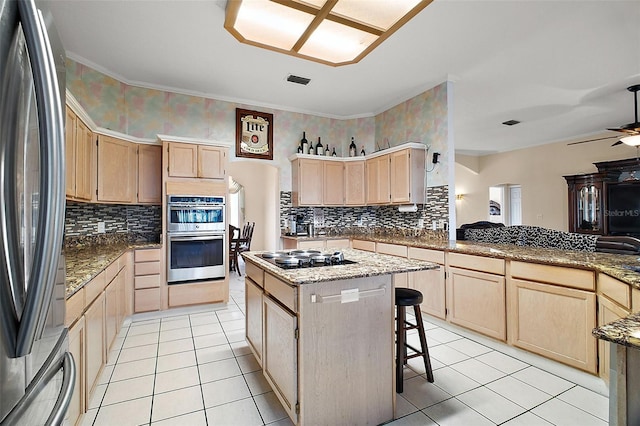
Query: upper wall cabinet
{"type": "Point", "coordinates": [149, 174]}
{"type": "Point", "coordinates": [354, 183]}
{"type": "Point", "coordinates": [333, 183]}
{"type": "Point", "coordinates": [117, 170]}
{"type": "Point", "coordinates": [80, 162]}
{"type": "Point", "coordinates": [196, 161]}
{"type": "Point", "coordinates": [406, 174]}
{"type": "Point", "coordinates": [378, 191]}
{"type": "Point", "coordinates": [307, 182]}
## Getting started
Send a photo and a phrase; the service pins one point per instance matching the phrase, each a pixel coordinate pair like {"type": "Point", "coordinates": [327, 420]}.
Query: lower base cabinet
{"type": "Point", "coordinates": [476, 300]}
{"type": "Point", "coordinates": [280, 359]}
{"type": "Point", "coordinates": [608, 311]}
{"type": "Point", "coordinates": [554, 321]}
{"type": "Point", "coordinates": [253, 303]}
{"type": "Point", "coordinates": [76, 347]}
{"type": "Point", "coordinates": [95, 342]}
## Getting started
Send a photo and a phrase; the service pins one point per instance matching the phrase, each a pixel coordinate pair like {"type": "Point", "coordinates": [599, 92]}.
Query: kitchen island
{"type": "Point", "coordinates": [324, 335]}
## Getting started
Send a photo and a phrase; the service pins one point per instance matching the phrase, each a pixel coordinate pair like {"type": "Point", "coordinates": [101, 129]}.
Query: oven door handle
{"type": "Point", "coordinates": [196, 238]}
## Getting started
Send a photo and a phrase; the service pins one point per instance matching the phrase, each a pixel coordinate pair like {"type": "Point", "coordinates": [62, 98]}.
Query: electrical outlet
{"type": "Point", "coordinates": [421, 223]}
{"type": "Point", "coordinates": [442, 224]}
{"type": "Point", "coordinates": [101, 229]}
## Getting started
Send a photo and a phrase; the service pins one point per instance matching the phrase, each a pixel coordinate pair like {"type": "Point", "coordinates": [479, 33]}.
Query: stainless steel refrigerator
{"type": "Point", "coordinates": [37, 373]}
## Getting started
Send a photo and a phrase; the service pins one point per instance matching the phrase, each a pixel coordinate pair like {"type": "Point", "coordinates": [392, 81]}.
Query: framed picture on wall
{"type": "Point", "coordinates": [254, 134]}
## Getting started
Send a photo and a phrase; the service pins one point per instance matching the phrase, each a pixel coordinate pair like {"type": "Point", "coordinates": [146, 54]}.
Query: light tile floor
{"type": "Point", "coordinates": [192, 367]}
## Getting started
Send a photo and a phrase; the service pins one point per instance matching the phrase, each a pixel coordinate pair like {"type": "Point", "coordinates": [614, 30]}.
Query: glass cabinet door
{"type": "Point", "coordinates": [588, 208]}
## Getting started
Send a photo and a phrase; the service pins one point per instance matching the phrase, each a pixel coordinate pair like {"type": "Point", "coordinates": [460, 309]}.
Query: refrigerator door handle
{"type": "Point", "coordinates": [51, 210]}
{"type": "Point", "coordinates": [67, 363]}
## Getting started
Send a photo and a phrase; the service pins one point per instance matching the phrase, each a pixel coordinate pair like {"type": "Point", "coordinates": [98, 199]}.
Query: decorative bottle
{"type": "Point", "coordinates": [304, 143]}
{"type": "Point", "coordinates": [333, 154]}
{"type": "Point", "coordinates": [362, 153]}
{"type": "Point", "coordinates": [312, 150]}
{"type": "Point", "coordinates": [352, 148]}
{"type": "Point", "coordinates": [327, 153]}
{"type": "Point", "coordinates": [319, 147]}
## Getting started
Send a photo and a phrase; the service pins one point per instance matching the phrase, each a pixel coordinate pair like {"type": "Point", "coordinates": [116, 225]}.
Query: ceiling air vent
{"type": "Point", "coordinates": [300, 80]}
{"type": "Point", "coordinates": [511, 122]}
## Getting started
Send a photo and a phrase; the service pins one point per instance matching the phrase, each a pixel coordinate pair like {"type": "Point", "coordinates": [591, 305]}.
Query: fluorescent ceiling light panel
{"type": "Point", "coordinates": [333, 32]}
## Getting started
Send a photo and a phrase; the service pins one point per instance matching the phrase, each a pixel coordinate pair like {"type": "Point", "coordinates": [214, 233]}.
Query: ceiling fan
{"type": "Point", "coordinates": [631, 130]}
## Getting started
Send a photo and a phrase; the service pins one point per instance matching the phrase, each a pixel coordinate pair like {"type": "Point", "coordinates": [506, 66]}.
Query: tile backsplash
{"type": "Point", "coordinates": [372, 217]}
{"type": "Point", "coordinates": [140, 223]}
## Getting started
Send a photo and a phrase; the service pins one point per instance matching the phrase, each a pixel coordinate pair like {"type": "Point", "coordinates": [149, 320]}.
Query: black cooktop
{"type": "Point", "coordinates": [296, 259]}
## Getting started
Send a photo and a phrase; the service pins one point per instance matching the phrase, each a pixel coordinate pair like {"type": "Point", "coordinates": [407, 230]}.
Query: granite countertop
{"type": "Point", "coordinates": [368, 264]}
{"type": "Point", "coordinates": [613, 265]}
{"type": "Point", "coordinates": [84, 263]}
{"type": "Point", "coordinates": [625, 331]}
{"type": "Point", "coordinates": [315, 237]}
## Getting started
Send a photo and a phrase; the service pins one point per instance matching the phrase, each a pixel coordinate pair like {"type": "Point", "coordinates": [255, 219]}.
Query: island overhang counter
{"type": "Point", "coordinates": [324, 336]}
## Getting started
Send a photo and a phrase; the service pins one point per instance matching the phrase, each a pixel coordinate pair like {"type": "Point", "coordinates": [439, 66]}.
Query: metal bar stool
{"type": "Point", "coordinates": [409, 297]}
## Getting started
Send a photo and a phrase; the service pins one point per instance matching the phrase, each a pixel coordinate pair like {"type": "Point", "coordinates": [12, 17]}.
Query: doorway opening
{"type": "Point", "coordinates": [505, 204]}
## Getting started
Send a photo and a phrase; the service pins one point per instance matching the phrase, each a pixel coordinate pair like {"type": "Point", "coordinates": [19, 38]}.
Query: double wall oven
{"type": "Point", "coordinates": [196, 248]}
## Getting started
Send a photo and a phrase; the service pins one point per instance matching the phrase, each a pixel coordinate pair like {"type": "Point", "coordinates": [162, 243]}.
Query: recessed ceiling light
{"type": "Point", "coordinates": [511, 122]}
{"type": "Point", "coordinates": [332, 32]}
{"type": "Point", "coordinates": [300, 80]}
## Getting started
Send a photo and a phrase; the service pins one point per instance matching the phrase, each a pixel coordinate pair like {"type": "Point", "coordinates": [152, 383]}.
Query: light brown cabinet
{"type": "Point", "coordinates": [147, 270]}
{"type": "Point", "coordinates": [77, 347]}
{"type": "Point", "coordinates": [149, 174]}
{"type": "Point", "coordinates": [553, 321]}
{"type": "Point", "coordinates": [111, 314]}
{"type": "Point", "coordinates": [406, 175]}
{"type": "Point", "coordinates": [608, 311]}
{"type": "Point", "coordinates": [95, 342]}
{"type": "Point", "coordinates": [354, 183]}
{"type": "Point", "coordinates": [196, 161]}
{"type": "Point", "coordinates": [79, 159]}
{"type": "Point", "coordinates": [117, 170]}
{"type": "Point", "coordinates": [378, 183]}
{"type": "Point", "coordinates": [333, 183]}
{"type": "Point", "coordinates": [253, 301]}
{"type": "Point", "coordinates": [307, 177]}
{"type": "Point", "coordinates": [431, 283]}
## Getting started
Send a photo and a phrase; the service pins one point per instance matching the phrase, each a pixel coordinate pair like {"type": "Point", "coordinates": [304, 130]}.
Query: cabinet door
{"type": "Point", "coordinates": [476, 300]}
{"type": "Point", "coordinates": [121, 305]}
{"type": "Point", "coordinates": [378, 180]}
{"type": "Point", "coordinates": [183, 160]}
{"type": "Point", "coordinates": [211, 162]}
{"type": "Point", "coordinates": [431, 284]}
{"type": "Point", "coordinates": [553, 321]}
{"type": "Point", "coordinates": [95, 342]}
{"type": "Point", "coordinates": [354, 186]}
{"type": "Point", "coordinates": [117, 170]}
{"type": "Point", "coordinates": [310, 178]}
{"type": "Point", "coordinates": [76, 347]}
{"type": "Point", "coordinates": [111, 314]}
{"type": "Point", "coordinates": [333, 188]}
{"type": "Point", "coordinates": [400, 176]}
{"type": "Point", "coordinates": [149, 174]}
{"type": "Point", "coordinates": [280, 360]}
{"type": "Point", "coordinates": [253, 318]}
{"type": "Point", "coordinates": [607, 312]}
{"type": "Point", "coordinates": [85, 166]}
{"type": "Point", "coordinates": [70, 152]}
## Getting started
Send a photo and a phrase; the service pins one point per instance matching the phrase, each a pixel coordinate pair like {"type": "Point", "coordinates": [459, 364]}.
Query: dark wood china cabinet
{"type": "Point", "coordinates": [588, 204]}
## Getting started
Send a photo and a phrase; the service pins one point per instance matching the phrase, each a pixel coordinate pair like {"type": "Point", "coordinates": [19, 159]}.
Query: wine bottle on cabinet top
{"type": "Point", "coordinates": [319, 147]}
{"type": "Point", "coordinates": [327, 153]}
{"type": "Point", "coordinates": [352, 148]}
{"type": "Point", "coordinates": [312, 149]}
{"type": "Point", "coordinates": [334, 154]}
{"type": "Point", "coordinates": [304, 143]}
{"type": "Point", "coordinates": [362, 153]}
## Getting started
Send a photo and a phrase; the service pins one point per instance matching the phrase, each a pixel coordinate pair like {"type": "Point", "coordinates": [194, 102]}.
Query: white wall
{"type": "Point", "coordinates": [539, 170]}
{"type": "Point", "coordinates": [262, 200]}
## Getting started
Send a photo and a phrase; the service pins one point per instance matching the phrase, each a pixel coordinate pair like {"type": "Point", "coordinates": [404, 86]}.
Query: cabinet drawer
{"type": "Point", "coordinates": [392, 249]}
{"type": "Point", "coordinates": [363, 245]}
{"type": "Point", "coordinates": [635, 300]}
{"type": "Point", "coordinates": [147, 281]}
{"type": "Point", "coordinates": [255, 273]}
{"type": "Point", "coordinates": [94, 288]}
{"type": "Point", "coordinates": [281, 291]}
{"type": "Point", "coordinates": [147, 268]}
{"type": "Point", "coordinates": [313, 244]}
{"type": "Point", "coordinates": [435, 256]}
{"type": "Point", "coordinates": [337, 244]}
{"type": "Point", "coordinates": [615, 290]}
{"type": "Point", "coordinates": [74, 307]}
{"type": "Point", "coordinates": [147, 255]}
{"type": "Point", "coordinates": [147, 299]}
{"type": "Point", "coordinates": [559, 275]}
{"type": "Point", "coordinates": [477, 263]}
